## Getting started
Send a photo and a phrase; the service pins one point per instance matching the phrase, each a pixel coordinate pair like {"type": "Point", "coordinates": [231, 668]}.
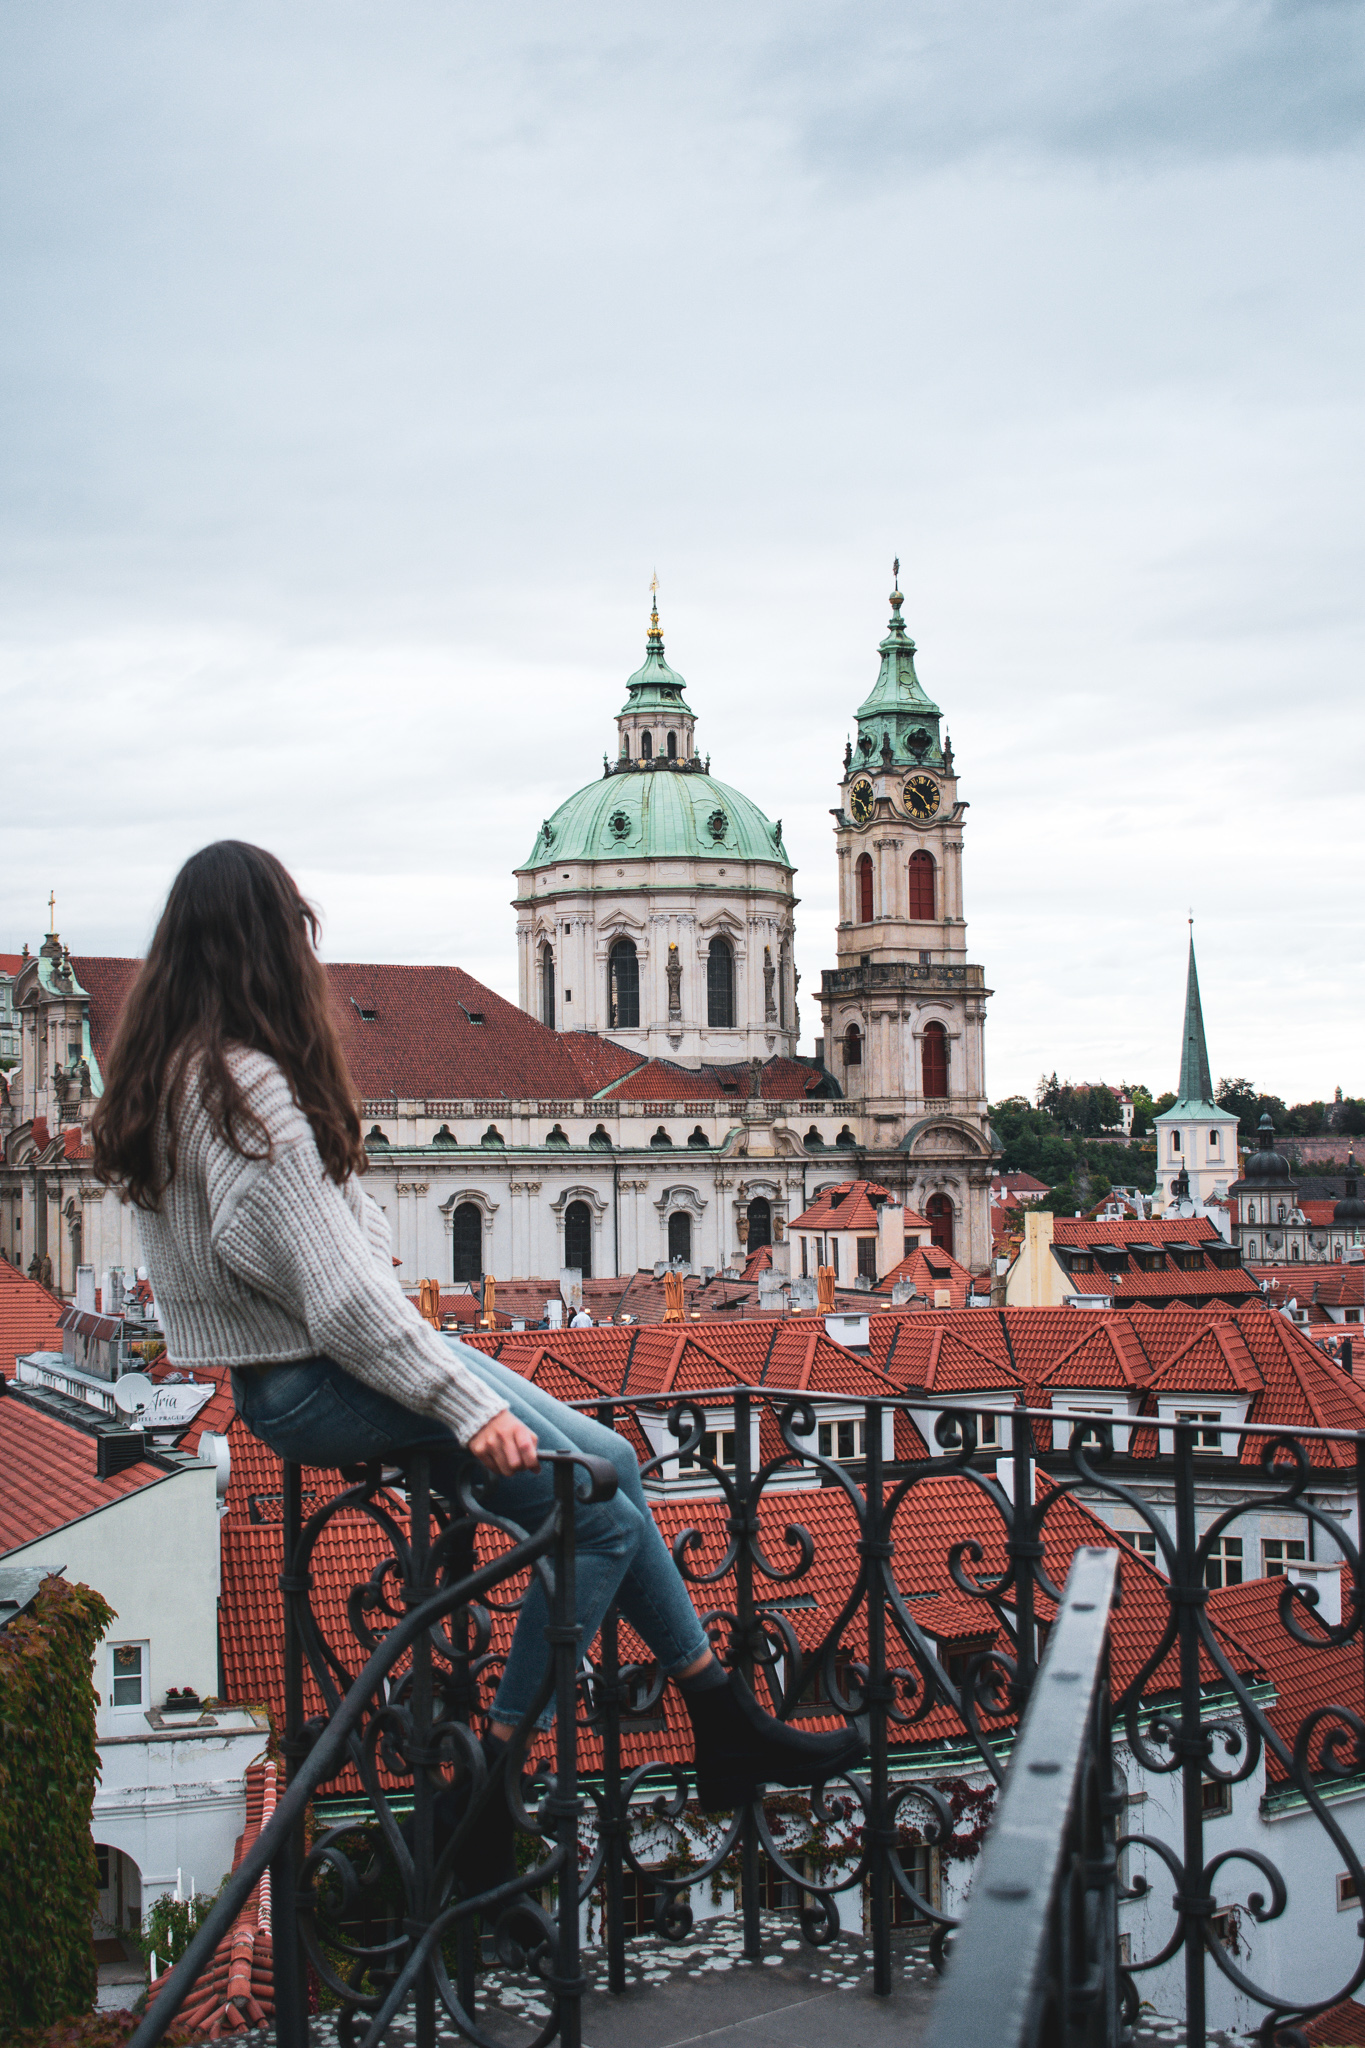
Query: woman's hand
{"type": "Point", "coordinates": [506, 1446]}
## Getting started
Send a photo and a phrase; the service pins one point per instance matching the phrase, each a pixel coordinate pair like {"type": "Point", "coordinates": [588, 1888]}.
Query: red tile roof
{"type": "Point", "coordinates": [28, 1317]}
{"type": "Point", "coordinates": [1135, 1287]}
{"type": "Point", "coordinates": [421, 1043]}
{"type": "Point", "coordinates": [1304, 1678]}
{"type": "Point", "coordinates": [852, 1205]}
{"type": "Point", "coordinates": [780, 1080]}
{"type": "Point", "coordinates": [107, 982]}
{"type": "Point", "coordinates": [929, 1270]}
{"type": "Point", "coordinates": [1015, 1182]}
{"type": "Point", "coordinates": [1338, 1286]}
{"type": "Point", "coordinates": [58, 1464]}
{"type": "Point", "coordinates": [1342, 2026]}
{"type": "Point", "coordinates": [1087, 1231]}
{"type": "Point", "coordinates": [10, 963]}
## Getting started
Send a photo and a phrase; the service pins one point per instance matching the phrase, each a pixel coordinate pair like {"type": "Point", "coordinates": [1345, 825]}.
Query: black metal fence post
{"type": "Point", "coordinates": [423, 1903]}
{"type": "Point", "coordinates": [1190, 1593]}
{"type": "Point", "coordinates": [290, 1971]}
{"type": "Point", "coordinates": [564, 1635]}
{"type": "Point", "coordinates": [877, 1548]}
{"type": "Point", "coordinates": [614, 1820]}
{"type": "Point", "coordinates": [745, 1525]}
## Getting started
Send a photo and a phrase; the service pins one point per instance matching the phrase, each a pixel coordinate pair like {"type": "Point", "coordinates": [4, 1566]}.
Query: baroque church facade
{"type": "Point", "coordinates": [644, 1101]}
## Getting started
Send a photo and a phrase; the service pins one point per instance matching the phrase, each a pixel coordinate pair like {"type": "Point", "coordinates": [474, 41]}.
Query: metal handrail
{"type": "Point", "coordinates": [1005, 1982]}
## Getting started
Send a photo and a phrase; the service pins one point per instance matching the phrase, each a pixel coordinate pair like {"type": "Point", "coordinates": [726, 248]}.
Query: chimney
{"type": "Point", "coordinates": [1346, 1364]}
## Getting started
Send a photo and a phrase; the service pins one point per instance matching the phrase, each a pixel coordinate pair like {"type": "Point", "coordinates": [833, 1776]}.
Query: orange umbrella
{"type": "Point", "coordinates": [673, 1297]}
{"type": "Point", "coordinates": [824, 1277]}
{"type": "Point", "coordinates": [490, 1320]}
{"type": "Point", "coordinates": [429, 1302]}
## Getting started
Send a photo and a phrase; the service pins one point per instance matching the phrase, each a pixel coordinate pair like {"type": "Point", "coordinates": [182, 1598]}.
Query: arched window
{"type": "Point", "coordinates": [646, 746]}
{"type": "Point", "coordinates": [865, 888]}
{"type": "Point", "coordinates": [1294, 1249]}
{"type": "Point", "coordinates": [939, 1210]}
{"type": "Point", "coordinates": [680, 1237]}
{"type": "Point", "coordinates": [468, 1235]}
{"type": "Point", "coordinates": [760, 1223]}
{"type": "Point", "coordinates": [661, 1139]}
{"type": "Point", "coordinates": [935, 1058]}
{"type": "Point", "coordinates": [547, 987]}
{"type": "Point", "coordinates": [699, 1140]}
{"type": "Point", "coordinates": [625, 746]}
{"type": "Point", "coordinates": [1251, 1249]}
{"type": "Point", "coordinates": [623, 986]}
{"type": "Point", "coordinates": [672, 746]}
{"type": "Point", "coordinates": [1251, 1212]}
{"type": "Point", "coordinates": [1281, 1215]}
{"type": "Point", "coordinates": [1213, 1141]}
{"type": "Point", "coordinates": [1175, 1143]}
{"type": "Point", "coordinates": [853, 1047]}
{"type": "Point", "coordinates": [922, 886]}
{"type": "Point", "coordinates": [720, 986]}
{"type": "Point", "coordinates": [578, 1238]}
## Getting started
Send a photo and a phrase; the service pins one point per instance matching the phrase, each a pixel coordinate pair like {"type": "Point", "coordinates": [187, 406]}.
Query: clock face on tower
{"type": "Point", "coordinates": [921, 796]}
{"type": "Point", "coordinates": [861, 801]}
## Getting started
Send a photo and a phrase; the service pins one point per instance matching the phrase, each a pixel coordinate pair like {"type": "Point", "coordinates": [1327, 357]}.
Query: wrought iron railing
{"type": "Point", "coordinates": [849, 1513]}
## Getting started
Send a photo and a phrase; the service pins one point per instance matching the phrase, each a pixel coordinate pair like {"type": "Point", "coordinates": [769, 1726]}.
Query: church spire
{"type": "Point", "coordinates": [1196, 1080]}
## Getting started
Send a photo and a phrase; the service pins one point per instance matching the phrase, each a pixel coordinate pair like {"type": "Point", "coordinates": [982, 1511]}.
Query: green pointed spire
{"type": "Point", "coordinates": [898, 708]}
{"type": "Point", "coordinates": [1196, 1080]}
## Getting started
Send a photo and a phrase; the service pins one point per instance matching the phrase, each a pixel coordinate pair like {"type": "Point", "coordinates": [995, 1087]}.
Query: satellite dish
{"type": "Point", "coordinates": [133, 1392]}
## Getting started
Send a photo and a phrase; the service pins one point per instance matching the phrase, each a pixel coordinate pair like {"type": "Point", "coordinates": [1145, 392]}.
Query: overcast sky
{"type": "Point", "coordinates": [359, 364]}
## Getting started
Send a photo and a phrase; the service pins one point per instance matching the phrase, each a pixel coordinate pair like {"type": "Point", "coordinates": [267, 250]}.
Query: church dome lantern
{"type": "Point", "coordinates": [656, 904]}
{"type": "Point", "coordinates": [1265, 1163]}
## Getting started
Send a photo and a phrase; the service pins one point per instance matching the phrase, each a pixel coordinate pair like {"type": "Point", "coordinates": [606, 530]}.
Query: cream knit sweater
{"type": "Point", "coordinates": [256, 1262]}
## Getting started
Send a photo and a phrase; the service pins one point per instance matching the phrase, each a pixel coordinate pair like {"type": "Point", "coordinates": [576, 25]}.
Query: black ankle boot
{"type": "Point", "coordinates": [488, 1858]}
{"type": "Point", "coordinates": [740, 1748]}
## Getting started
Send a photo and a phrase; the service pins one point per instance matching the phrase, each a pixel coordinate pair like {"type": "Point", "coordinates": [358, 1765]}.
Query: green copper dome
{"type": "Point", "coordinates": [656, 802]}
{"type": "Point", "coordinates": [652, 813]}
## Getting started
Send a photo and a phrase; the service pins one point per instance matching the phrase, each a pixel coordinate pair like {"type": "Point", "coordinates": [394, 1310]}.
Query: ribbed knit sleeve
{"type": "Point", "coordinates": [290, 1234]}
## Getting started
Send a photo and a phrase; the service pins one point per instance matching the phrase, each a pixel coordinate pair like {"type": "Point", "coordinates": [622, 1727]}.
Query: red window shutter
{"type": "Point", "coordinates": [922, 886]}
{"type": "Point", "coordinates": [865, 889]}
{"type": "Point", "coordinates": [935, 1060]}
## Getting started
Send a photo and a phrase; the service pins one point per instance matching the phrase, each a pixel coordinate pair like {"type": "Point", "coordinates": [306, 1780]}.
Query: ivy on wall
{"type": "Point", "coordinates": [48, 1768]}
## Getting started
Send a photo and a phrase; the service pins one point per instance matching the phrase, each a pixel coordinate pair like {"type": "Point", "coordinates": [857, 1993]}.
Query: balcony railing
{"type": "Point", "coordinates": [1111, 1713]}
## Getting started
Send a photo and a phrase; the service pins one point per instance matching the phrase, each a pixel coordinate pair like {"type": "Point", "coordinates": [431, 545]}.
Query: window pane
{"type": "Point", "coordinates": [720, 986]}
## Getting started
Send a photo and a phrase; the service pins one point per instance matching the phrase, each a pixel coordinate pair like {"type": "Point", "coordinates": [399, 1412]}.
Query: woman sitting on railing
{"type": "Point", "coordinates": [230, 1120]}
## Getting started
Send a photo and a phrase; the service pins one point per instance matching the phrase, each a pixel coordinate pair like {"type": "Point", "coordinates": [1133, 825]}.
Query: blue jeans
{"type": "Point", "coordinates": [316, 1413]}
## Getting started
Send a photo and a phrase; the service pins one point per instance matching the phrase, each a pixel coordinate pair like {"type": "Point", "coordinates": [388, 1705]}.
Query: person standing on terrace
{"type": "Point", "coordinates": [230, 1120]}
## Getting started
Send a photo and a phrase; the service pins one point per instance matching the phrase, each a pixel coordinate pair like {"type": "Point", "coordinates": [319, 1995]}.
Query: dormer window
{"type": "Point", "coordinates": [1207, 1437]}
{"type": "Point", "coordinates": [842, 1441]}
{"type": "Point", "coordinates": [717, 1447]}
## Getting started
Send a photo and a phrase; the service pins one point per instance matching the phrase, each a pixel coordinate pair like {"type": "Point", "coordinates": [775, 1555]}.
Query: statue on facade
{"type": "Point", "coordinates": [673, 973]}
{"type": "Point", "coordinates": [769, 983]}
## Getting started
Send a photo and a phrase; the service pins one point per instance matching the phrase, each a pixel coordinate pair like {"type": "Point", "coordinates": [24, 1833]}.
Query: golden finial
{"type": "Point", "coordinates": [655, 631]}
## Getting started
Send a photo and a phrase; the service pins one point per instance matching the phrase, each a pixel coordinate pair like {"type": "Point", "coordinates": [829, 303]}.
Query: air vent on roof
{"type": "Point", "coordinates": [835, 1200]}
{"type": "Point", "coordinates": [365, 1014]}
{"type": "Point", "coordinates": [474, 1016]}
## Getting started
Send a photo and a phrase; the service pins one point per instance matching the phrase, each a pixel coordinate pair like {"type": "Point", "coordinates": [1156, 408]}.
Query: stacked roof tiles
{"type": "Point", "coordinates": [237, 1988]}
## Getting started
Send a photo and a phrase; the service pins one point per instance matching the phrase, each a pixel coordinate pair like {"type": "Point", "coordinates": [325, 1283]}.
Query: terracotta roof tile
{"type": "Point", "coordinates": [1304, 1678]}
{"type": "Point", "coordinates": [1085, 1231]}
{"type": "Point", "coordinates": [28, 1317]}
{"type": "Point", "coordinates": [60, 1482]}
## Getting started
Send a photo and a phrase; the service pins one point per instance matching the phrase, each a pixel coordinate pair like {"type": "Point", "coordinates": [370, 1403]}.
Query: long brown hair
{"type": "Point", "coordinates": [233, 963]}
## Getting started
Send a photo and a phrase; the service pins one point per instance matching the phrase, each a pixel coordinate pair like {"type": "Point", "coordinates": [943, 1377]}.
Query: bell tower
{"type": "Point", "coordinates": [904, 1010]}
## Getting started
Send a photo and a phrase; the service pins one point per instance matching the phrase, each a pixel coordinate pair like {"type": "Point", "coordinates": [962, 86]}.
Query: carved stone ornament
{"type": "Point", "coordinates": [673, 971]}
{"type": "Point", "coordinates": [769, 984]}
